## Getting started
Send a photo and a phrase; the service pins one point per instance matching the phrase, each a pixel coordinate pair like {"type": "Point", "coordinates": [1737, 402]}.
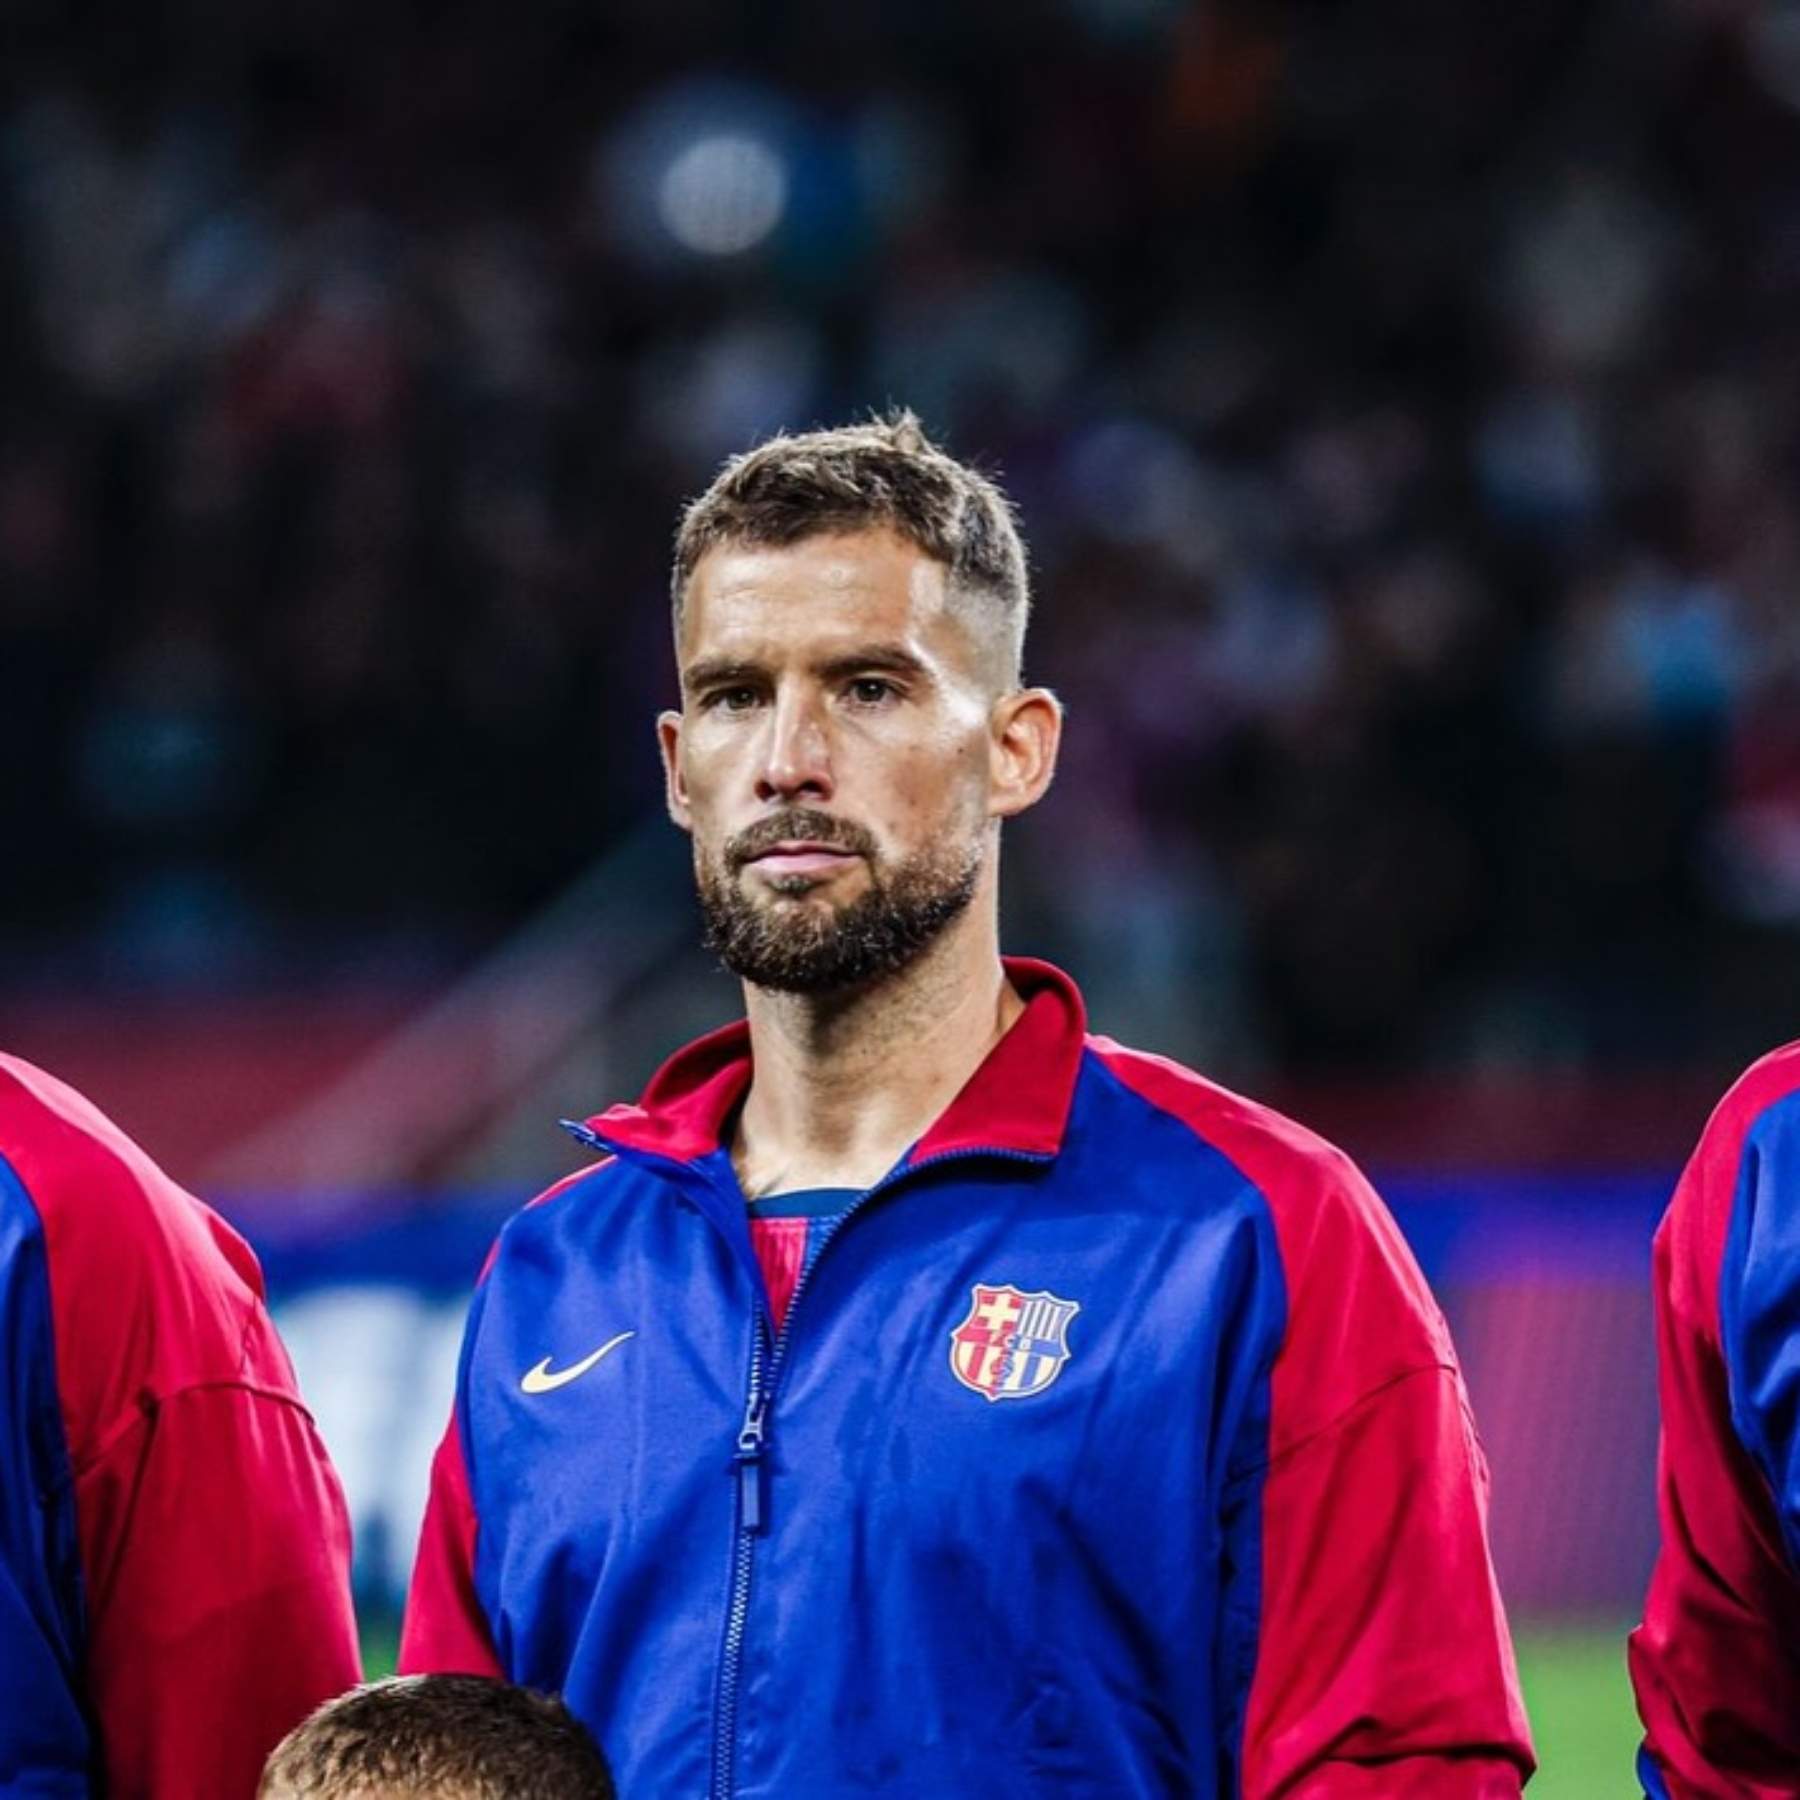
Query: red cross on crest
{"type": "Point", "coordinates": [1013, 1344]}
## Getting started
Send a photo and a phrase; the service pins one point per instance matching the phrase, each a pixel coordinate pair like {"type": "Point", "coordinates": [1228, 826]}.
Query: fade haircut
{"type": "Point", "coordinates": [458, 1737]}
{"type": "Point", "coordinates": [883, 473]}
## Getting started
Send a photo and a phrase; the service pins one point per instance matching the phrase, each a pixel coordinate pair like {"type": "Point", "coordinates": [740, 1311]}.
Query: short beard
{"type": "Point", "coordinates": [820, 949]}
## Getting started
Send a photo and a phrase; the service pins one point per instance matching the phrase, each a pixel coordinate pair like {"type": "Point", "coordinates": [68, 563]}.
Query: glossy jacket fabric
{"type": "Point", "coordinates": [174, 1550]}
{"type": "Point", "coordinates": [1113, 1446]}
{"type": "Point", "coordinates": [1716, 1662]}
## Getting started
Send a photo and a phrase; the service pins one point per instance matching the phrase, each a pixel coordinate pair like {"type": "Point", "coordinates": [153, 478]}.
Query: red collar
{"type": "Point", "coordinates": [1018, 1099]}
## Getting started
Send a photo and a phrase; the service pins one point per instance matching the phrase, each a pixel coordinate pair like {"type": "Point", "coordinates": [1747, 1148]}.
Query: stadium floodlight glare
{"type": "Point", "coordinates": [723, 194]}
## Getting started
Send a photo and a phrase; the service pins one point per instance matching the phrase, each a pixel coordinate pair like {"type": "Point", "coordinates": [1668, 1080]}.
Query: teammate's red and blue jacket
{"type": "Point", "coordinates": [174, 1550]}
{"type": "Point", "coordinates": [1112, 1445]}
{"type": "Point", "coordinates": [1716, 1662]}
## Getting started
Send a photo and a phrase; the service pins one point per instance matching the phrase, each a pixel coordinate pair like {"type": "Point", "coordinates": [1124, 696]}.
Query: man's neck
{"type": "Point", "coordinates": [844, 1083]}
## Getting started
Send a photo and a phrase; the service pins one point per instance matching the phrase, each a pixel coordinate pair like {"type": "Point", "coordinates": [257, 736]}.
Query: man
{"type": "Point", "coordinates": [174, 1550]}
{"type": "Point", "coordinates": [438, 1737]}
{"type": "Point", "coordinates": [1716, 1662]}
{"type": "Point", "coordinates": [924, 1397]}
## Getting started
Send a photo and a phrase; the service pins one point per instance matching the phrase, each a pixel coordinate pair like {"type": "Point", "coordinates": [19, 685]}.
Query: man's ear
{"type": "Point", "coordinates": [1027, 731]}
{"type": "Point", "coordinates": [668, 741]}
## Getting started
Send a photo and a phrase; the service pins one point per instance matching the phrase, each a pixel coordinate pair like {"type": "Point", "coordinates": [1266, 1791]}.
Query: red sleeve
{"type": "Point", "coordinates": [1716, 1662]}
{"type": "Point", "coordinates": [1385, 1671]}
{"type": "Point", "coordinates": [446, 1629]}
{"type": "Point", "coordinates": [217, 1553]}
{"type": "Point", "coordinates": [214, 1542]}
{"type": "Point", "coordinates": [1383, 1663]}
{"type": "Point", "coordinates": [1385, 1666]}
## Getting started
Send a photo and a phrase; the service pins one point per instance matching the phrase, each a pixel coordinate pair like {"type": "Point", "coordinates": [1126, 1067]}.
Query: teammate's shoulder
{"type": "Point", "coordinates": [1761, 1107]}
{"type": "Point", "coordinates": [35, 1106]}
{"type": "Point", "coordinates": [97, 1188]}
{"type": "Point", "coordinates": [150, 1289]}
{"type": "Point", "coordinates": [1745, 1166]}
{"type": "Point", "coordinates": [1768, 1082]}
{"type": "Point", "coordinates": [1271, 1149]}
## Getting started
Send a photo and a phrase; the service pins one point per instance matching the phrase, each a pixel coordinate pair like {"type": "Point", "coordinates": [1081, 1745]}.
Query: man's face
{"type": "Point", "coordinates": [832, 756]}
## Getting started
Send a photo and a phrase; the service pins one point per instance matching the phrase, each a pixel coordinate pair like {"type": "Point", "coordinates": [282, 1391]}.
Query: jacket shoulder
{"type": "Point", "coordinates": [1767, 1082]}
{"type": "Point", "coordinates": [1293, 1167]}
{"type": "Point", "coordinates": [1691, 1240]}
{"type": "Point", "coordinates": [104, 1201]}
{"type": "Point", "coordinates": [1359, 1313]}
{"type": "Point", "coordinates": [540, 1213]}
{"type": "Point", "coordinates": [151, 1291]}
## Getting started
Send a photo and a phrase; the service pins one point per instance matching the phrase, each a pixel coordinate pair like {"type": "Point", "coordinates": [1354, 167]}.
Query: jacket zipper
{"type": "Point", "coordinates": [748, 1523]}
{"type": "Point", "coordinates": [749, 1464]}
{"type": "Point", "coordinates": [766, 1365]}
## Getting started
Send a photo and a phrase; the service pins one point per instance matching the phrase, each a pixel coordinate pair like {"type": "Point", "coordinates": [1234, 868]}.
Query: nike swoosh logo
{"type": "Point", "coordinates": [541, 1381]}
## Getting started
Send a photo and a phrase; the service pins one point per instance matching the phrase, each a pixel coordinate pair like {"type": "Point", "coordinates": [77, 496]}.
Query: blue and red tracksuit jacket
{"type": "Point", "coordinates": [174, 1549]}
{"type": "Point", "coordinates": [1716, 1662]}
{"type": "Point", "coordinates": [1111, 1445]}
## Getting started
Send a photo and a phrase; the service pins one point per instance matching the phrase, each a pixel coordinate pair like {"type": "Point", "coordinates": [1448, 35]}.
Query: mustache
{"type": "Point", "coordinates": [798, 822]}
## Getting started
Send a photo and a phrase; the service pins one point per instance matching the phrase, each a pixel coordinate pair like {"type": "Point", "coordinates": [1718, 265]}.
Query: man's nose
{"type": "Point", "coordinates": [796, 762]}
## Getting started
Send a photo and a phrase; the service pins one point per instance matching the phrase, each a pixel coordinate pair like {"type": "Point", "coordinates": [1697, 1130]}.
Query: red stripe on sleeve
{"type": "Point", "coordinates": [217, 1552]}
{"type": "Point", "coordinates": [1384, 1666]}
{"type": "Point", "coordinates": [446, 1628]}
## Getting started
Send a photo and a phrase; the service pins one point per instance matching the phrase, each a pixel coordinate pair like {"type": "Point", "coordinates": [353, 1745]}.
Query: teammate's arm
{"type": "Point", "coordinates": [215, 1553]}
{"type": "Point", "coordinates": [1716, 1663]}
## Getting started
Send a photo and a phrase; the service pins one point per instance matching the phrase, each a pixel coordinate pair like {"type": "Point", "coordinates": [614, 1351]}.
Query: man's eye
{"type": "Point", "coordinates": [871, 690]}
{"type": "Point", "coordinates": [733, 699]}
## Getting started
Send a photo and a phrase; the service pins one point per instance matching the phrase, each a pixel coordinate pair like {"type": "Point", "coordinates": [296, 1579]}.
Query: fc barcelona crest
{"type": "Point", "coordinates": [1012, 1345]}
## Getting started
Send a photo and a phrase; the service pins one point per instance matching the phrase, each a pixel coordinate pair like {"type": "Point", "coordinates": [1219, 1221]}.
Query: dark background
{"type": "Point", "coordinates": [1399, 398]}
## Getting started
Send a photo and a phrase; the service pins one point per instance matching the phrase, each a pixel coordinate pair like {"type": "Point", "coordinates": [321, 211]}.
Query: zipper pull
{"type": "Point", "coordinates": [584, 1134]}
{"type": "Point", "coordinates": [749, 1460]}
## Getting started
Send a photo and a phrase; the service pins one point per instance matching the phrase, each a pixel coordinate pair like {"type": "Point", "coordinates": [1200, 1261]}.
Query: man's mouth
{"type": "Point", "coordinates": [800, 856]}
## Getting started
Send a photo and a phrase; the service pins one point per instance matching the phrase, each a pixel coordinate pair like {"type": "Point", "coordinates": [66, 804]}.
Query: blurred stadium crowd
{"type": "Point", "coordinates": [1403, 420]}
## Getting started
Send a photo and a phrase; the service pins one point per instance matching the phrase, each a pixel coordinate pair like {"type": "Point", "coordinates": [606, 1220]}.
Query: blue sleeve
{"type": "Point", "coordinates": [44, 1739]}
{"type": "Point", "coordinates": [1759, 1309]}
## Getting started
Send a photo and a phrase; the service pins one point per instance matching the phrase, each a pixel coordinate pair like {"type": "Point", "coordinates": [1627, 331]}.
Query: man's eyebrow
{"type": "Point", "coordinates": [727, 671]}
{"type": "Point", "coordinates": [893, 659]}
{"type": "Point", "coordinates": [719, 671]}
